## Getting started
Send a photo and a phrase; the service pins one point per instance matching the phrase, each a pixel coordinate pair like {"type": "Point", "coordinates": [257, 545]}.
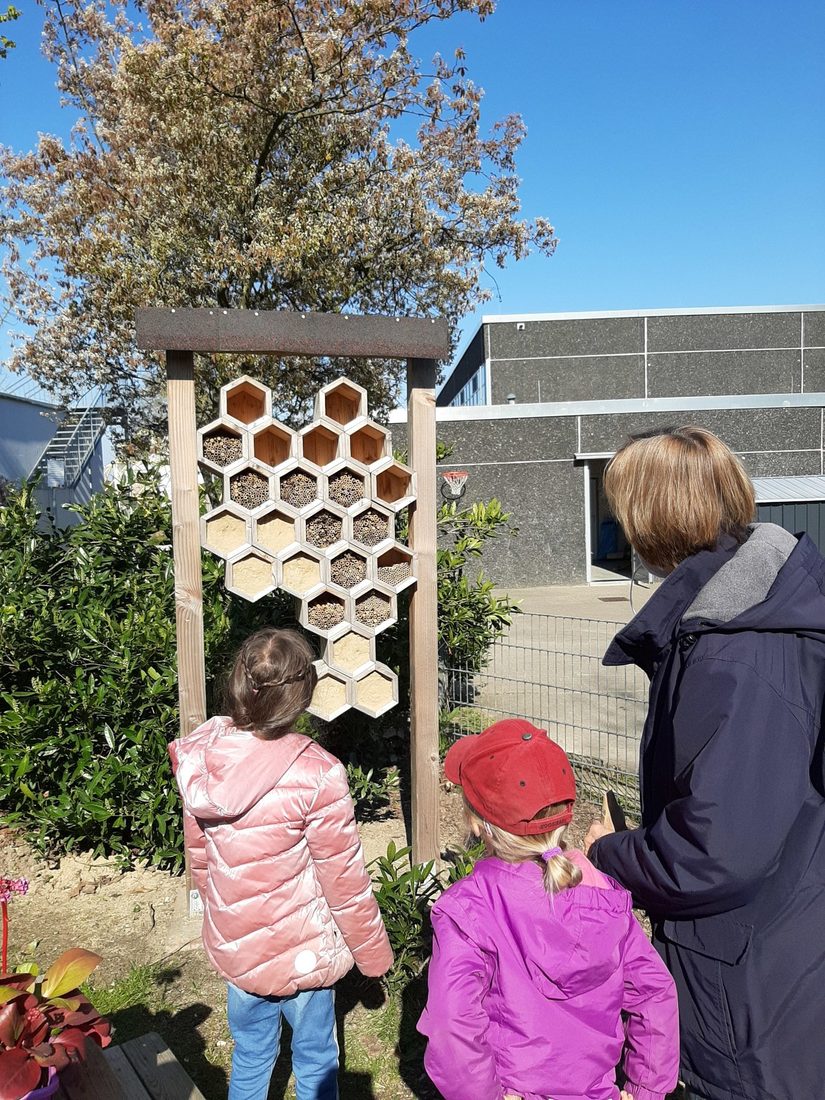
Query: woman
{"type": "Point", "coordinates": [730, 858]}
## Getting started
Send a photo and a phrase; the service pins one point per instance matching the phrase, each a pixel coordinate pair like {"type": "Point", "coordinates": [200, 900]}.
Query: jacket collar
{"type": "Point", "coordinates": [646, 635]}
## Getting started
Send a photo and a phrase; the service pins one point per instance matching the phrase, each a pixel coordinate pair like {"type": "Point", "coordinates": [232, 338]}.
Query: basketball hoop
{"type": "Point", "coordinates": [453, 485]}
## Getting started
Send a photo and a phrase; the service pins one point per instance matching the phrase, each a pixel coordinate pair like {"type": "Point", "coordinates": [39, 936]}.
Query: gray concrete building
{"type": "Point", "coordinates": [537, 403]}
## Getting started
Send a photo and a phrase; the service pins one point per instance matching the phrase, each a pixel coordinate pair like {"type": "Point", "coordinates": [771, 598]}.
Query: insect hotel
{"type": "Point", "coordinates": [313, 513]}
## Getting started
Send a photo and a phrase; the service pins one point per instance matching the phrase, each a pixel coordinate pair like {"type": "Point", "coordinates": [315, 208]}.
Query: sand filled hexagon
{"type": "Point", "coordinates": [251, 576]}
{"type": "Point", "coordinates": [274, 531]}
{"type": "Point", "coordinates": [350, 652]}
{"type": "Point", "coordinates": [225, 533]}
{"type": "Point", "coordinates": [376, 692]}
{"type": "Point", "coordinates": [330, 697]}
{"type": "Point", "coordinates": [301, 574]}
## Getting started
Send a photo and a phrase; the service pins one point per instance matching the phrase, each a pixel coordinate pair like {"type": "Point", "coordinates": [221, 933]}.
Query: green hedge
{"type": "Point", "coordinates": [88, 671]}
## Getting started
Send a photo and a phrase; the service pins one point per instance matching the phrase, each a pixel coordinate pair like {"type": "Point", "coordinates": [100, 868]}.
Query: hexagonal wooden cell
{"type": "Point", "coordinates": [372, 526]}
{"type": "Point", "coordinates": [298, 488]}
{"type": "Point", "coordinates": [376, 608]}
{"type": "Point", "coordinates": [346, 485]}
{"type": "Point", "coordinates": [224, 531]}
{"type": "Point", "coordinates": [395, 568]}
{"type": "Point", "coordinates": [274, 531]}
{"type": "Point", "coordinates": [246, 400]}
{"type": "Point", "coordinates": [251, 575]}
{"type": "Point", "coordinates": [348, 568]}
{"type": "Point", "coordinates": [352, 652]}
{"type": "Point", "coordinates": [301, 573]}
{"type": "Point", "coordinates": [394, 486]}
{"type": "Point", "coordinates": [273, 445]}
{"type": "Point", "coordinates": [249, 487]}
{"type": "Point", "coordinates": [376, 692]}
{"type": "Point", "coordinates": [221, 445]}
{"type": "Point", "coordinates": [331, 696]}
{"type": "Point", "coordinates": [341, 401]}
{"type": "Point", "coordinates": [369, 443]}
{"type": "Point", "coordinates": [324, 613]}
{"type": "Point", "coordinates": [320, 444]}
{"type": "Point", "coordinates": [324, 527]}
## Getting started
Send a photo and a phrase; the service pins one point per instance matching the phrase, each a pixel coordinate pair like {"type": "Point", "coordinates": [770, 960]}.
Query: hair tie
{"type": "Point", "coordinates": [551, 853]}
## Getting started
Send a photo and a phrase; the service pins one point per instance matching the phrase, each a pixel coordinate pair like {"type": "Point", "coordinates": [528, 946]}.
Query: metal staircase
{"type": "Point", "coordinates": [70, 449]}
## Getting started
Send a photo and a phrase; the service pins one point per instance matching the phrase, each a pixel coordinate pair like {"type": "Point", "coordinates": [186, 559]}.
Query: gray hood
{"type": "Point", "coordinates": [746, 579]}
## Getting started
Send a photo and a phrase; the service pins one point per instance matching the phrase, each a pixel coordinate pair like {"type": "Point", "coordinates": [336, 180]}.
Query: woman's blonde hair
{"type": "Point", "coordinates": [559, 872]}
{"type": "Point", "coordinates": [271, 682]}
{"type": "Point", "coordinates": [675, 491]}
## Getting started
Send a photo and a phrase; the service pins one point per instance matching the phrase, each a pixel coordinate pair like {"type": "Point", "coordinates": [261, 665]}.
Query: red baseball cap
{"type": "Point", "coordinates": [510, 772]}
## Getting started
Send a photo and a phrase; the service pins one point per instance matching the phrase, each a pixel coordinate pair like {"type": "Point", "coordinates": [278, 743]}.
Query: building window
{"type": "Point", "coordinates": [474, 390]}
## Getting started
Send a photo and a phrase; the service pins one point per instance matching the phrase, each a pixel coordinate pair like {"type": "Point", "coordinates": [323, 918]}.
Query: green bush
{"type": "Point", "coordinates": [371, 791]}
{"type": "Point", "coordinates": [89, 683]}
{"type": "Point", "coordinates": [470, 615]}
{"type": "Point", "coordinates": [405, 892]}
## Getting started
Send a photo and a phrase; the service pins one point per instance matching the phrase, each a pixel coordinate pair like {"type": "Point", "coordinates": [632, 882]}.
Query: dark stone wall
{"type": "Point", "coordinates": [572, 379]}
{"type": "Point", "coordinates": [687, 354]}
{"type": "Point", "coordinates": [717, 331]}
{"type": "Point", "coordinates": [797, 429]}
{"type": "Point", "coordinates": [587, 336]}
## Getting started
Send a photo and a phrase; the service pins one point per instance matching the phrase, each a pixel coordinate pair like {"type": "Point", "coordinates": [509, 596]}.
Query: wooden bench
{"type": "Point", "coordinates": [142, 1069]}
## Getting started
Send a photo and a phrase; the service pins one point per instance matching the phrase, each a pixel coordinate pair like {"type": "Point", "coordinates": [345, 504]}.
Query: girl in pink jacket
{"type": "Point", "coordinates": [275, 854]}
{"type": "Point", "coordinates": [541, 980]}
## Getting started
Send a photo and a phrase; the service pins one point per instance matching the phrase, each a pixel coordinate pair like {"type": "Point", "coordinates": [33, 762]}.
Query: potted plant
{"type": "Point", "coordinates": [44, 1025]}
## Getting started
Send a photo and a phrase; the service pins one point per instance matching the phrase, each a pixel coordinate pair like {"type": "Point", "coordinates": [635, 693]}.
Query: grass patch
{"type": "Point", "coordinates": [138, 987]}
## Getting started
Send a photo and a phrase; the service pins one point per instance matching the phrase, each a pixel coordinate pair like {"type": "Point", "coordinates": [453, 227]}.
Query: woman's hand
{"type": "Point", "coordinates": [513, 1096]}
{"type": "Point", "coordinates": [596, 830]}
{"type": "Point", "coordinates": [626, 1096]}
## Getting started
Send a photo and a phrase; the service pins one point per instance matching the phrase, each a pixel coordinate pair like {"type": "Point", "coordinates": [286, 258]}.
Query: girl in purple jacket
{"type": "Point", "coordinates": [541, 982]}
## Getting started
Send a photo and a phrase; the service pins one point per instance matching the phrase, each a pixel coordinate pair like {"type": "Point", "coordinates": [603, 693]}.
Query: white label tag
{"type": "Point", "coordinates": [195, 904]}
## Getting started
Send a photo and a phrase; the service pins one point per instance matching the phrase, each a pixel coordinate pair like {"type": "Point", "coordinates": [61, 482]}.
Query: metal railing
{"type": "Point", "coordinates": [67, 453]}
{"type": "Point", "coordinates": [548, 669]}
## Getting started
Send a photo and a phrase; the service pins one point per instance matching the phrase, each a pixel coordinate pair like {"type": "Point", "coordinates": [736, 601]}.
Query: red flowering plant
{"type": "Point", "coordinates": [8, 888]}
{"type": "Point", "coordinates": [44, 1021]}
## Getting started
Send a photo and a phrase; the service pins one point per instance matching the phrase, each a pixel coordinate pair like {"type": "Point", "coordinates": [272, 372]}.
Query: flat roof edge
{"type": "Point", "coordinates": [687, 311]}
{"type": "Point", "coordinates": [696, 403]}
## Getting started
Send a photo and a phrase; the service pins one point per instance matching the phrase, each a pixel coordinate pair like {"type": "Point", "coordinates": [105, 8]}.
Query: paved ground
{"type": "Point", "coordinates": [609, 602]}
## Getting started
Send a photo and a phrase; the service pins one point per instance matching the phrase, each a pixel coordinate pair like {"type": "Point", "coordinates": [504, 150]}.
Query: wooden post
{"type": "Point", "coordinates": [186, 545]}
{"type": "Point", "coordinates": [421, 376]}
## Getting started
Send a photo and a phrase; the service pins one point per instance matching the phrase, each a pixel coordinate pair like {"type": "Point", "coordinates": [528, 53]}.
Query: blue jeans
{"type": "Point", "coordinates": [255, 1023]}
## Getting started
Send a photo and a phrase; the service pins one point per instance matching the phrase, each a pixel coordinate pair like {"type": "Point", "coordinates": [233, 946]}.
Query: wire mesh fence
{"type": "Point", "coordinates": [548, 669]}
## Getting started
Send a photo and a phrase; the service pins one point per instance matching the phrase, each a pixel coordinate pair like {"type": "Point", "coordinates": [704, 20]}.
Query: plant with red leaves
{"type": "Point", "coordinates": [45, 1022]}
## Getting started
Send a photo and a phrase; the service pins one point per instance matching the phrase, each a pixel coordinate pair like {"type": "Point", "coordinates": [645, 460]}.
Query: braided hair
{"type": "Point", "coordinates": [271, 682]}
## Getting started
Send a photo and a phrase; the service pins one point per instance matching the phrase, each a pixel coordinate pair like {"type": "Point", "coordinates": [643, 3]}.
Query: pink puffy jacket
{"type": "Point", "coordinates": [275, 854]}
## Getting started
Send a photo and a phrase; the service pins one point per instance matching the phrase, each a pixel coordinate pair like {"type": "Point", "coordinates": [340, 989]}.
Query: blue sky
{"type": "Point", "coordinates": [678, 146]}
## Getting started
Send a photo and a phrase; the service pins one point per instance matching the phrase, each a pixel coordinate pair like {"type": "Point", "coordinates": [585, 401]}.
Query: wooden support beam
{"type": "Point", "coordinates": [421, 377]}
{"type": "Point", "coordinates": [186, 546]}
{"type": "Point", "coordinates": [283, 332]}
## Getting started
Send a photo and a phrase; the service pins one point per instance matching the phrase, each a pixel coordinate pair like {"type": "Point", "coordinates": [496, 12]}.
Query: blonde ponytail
{"type": "Point", "coordinates": [558, 872]}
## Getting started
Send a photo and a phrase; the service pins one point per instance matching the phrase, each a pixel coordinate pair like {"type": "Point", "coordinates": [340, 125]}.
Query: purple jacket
{"type": "Point", "coordinates": [544, 996]}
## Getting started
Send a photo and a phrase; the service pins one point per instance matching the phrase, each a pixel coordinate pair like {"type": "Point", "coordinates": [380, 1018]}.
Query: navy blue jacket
{"type": "Point", "coordinates": [730, 858]}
